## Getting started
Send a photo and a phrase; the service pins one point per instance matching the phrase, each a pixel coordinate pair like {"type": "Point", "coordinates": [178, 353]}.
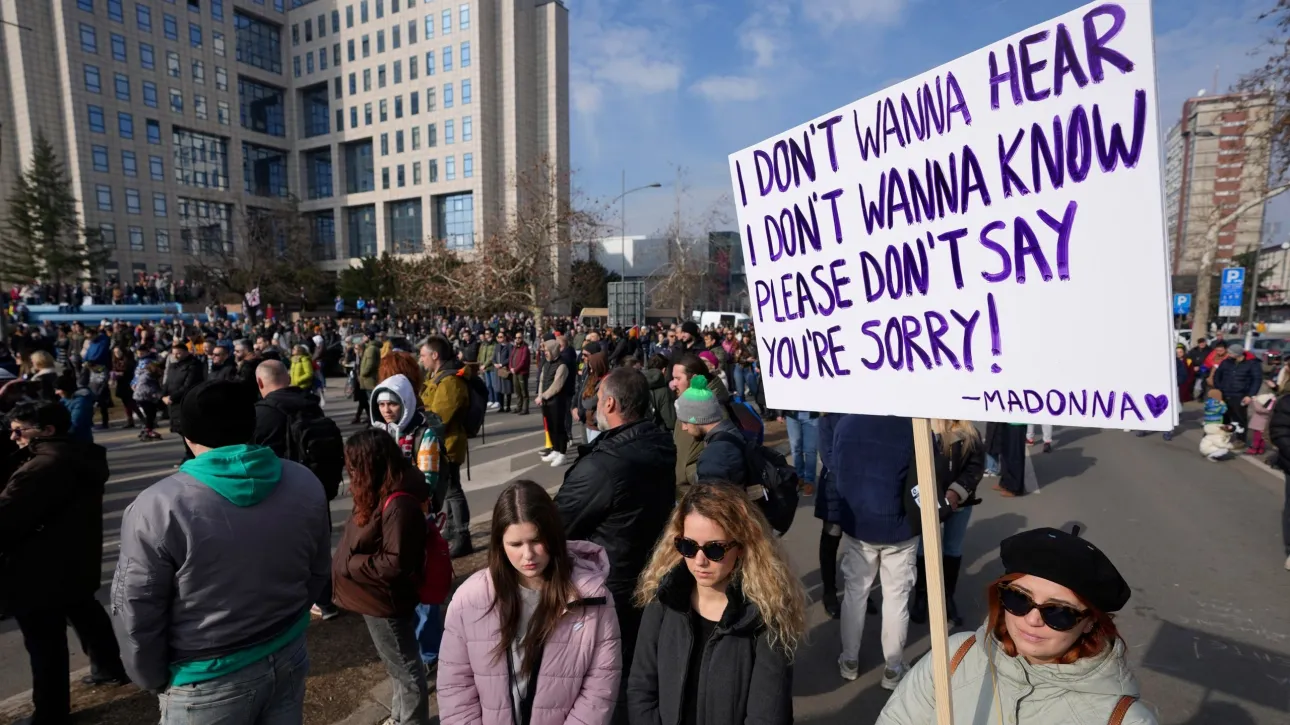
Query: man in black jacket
{"type": "Point", "coordinates": [1238, 378]}
{"type": "Point", "coordinates": [621, 491]}
{"type": "Point", "coordinates": [51, 551]}
{"type": "Point", "coordinates": [247, 361]}
{"type": "Point", "coordinates": [222, 366]}
{"type": "Point", "coordinates": [1279, 432]}
{"type": "Point", "coordinates": [184, 374]}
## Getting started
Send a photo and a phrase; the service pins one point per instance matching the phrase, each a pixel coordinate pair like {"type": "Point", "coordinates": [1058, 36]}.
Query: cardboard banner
{"type": "Point", "coordinates": [984, 241]}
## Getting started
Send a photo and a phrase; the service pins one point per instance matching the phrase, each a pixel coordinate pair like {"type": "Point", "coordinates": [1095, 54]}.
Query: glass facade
{"type": "Point", "coordinates": [318, 173]}
{"type": "Point", "coordinates": [201, 160]}
{"type": "Point", "coordinates": [403, 226]}
{"type": "Point", "coordinates": [360, 168]}
{"type": "Point", "coordinates": [258, 43]}
{"type": "Point", "coordinates": [455, 219]}
{"type": "Point", "coordinates": [263, 107]}
{"type": "Point", "coordinates": [361, 221]}
{"type": "Point", "coordinates": [322, 229]}
{"type": "Point", "coordinates": [264, 170]}
{"type": "Point", "coordinates": [317, 110]}
{"type": "Point", "coordinates": [205, 226]}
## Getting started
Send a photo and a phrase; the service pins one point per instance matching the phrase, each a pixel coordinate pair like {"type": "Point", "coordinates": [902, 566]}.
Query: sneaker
{"type": "Point", "coordinates": [549, 457]}
{"type": "Point", "coordinates": [1048, 447]}
{"type": "Point", "coordinates": [892, 678]}
{"type": "Point", "coordinates": [556, 460]}
{"type": "Point", "coordinates": [849, 669]}
{"type": "Point", "coordinates": [1030, 441]}
{"type": "Point", "coordinates": [546, 452]}
{"type": "Point", "coordinates": [108, 680]}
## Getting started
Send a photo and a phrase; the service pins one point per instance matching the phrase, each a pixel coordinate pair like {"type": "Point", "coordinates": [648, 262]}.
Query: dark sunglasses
{"type": "Point", "coordinates": [713, 550]}
{"type": "Point", "coordinates": [1057, 617]}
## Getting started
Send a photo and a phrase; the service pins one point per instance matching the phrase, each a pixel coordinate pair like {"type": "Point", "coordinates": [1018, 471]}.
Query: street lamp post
{"type": "Point", "coordinates": [622, 240]}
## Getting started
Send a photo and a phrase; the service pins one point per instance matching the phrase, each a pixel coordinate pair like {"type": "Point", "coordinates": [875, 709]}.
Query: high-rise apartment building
{"type": "Point", "coordinates": [1215, 159]}
{"type": "Point", "coordinates": [389, 121]}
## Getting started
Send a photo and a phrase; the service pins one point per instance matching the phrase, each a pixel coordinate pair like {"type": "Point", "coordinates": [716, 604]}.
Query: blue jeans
{"type": "Point", "coordinates": [991, 464]}
{"type": "Point", "coordinates": [803, 438]}
{"type": "Point", "coordinates": [269, 692]}
{"type": "Point", "coordinates": [429, 632]}
{"type": "Point", "coordinates": [740, 378]}
{"type": "Point", "coordinates": [953, 531]}
{"type": "Point", "coordinates": [490, 379]}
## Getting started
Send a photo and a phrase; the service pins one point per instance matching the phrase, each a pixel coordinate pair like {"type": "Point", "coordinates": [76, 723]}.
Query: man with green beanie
{"type": "Point", "coordinates": [218, 568]}
{"type": "Point", "coordinates": [699, 413]}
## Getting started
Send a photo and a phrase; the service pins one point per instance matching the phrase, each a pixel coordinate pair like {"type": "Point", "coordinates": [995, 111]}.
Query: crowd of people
{"type": "Point", "coordinates": [651, 589]}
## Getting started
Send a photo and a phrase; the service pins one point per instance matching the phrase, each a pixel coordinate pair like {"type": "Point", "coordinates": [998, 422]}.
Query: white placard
{"type": "Point", "coordinates": [984, 241]}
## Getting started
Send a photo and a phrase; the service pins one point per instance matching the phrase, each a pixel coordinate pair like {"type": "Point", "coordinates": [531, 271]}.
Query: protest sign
{"type": "Point", "coordinates": [984, 241]}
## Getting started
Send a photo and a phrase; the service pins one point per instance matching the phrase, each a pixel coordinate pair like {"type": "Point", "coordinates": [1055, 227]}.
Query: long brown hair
{"type": "Point", "coordinates": [397, 362]}
{"type": "Point", "coordinates": [375, 463]}
{"type": "Point", "coordinates": [525, 502]}
{"type": "Point", "coordinates": [597, 369]}
{"type": "Point", "coordinates": [1089, 644]}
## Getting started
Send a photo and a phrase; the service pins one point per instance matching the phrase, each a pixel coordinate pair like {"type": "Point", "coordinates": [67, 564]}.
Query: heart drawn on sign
{"type": "Point", "coordinates": [1157, 404]}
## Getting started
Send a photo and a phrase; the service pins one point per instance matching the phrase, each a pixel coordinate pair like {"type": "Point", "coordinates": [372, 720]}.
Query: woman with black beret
{"type": "Point", "coordinates": [1049, 654]}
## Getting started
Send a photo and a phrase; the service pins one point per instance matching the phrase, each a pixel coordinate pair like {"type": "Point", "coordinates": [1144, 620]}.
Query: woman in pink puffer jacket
{"type": "Point", "coordinates": [535, 633]}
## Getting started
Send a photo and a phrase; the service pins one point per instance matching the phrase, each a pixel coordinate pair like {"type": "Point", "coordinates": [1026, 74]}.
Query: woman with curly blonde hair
{"type": "Point", "coordinates": [723, 616]}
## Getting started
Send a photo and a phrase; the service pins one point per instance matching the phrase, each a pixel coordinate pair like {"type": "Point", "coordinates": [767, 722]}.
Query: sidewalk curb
{"type": "Point", "coordinates": [22, 700]}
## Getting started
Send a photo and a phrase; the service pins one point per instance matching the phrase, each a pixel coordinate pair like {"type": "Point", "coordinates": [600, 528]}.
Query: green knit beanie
{"type": "Point", "coordinates": [698, 405]}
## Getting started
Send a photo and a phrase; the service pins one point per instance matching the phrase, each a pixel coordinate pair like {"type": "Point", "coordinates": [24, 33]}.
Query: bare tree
{"type": "Point", "coordinates": [680, 283]}
{"type": "Point", "coordinates": [1269, 84]}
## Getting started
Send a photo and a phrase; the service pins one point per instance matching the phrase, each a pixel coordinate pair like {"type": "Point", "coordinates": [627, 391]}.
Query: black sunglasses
{"type": "Point", "coordinates": [1057, 617]}
{"type": "Point", "coordinates": [713, 550]}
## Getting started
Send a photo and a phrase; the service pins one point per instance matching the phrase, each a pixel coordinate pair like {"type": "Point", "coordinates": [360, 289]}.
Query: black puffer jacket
{"type": "Point", "coordinates": [1279, 430]}
{"type": "Point", "coordinates": [961, 470]}
{"type": "Point", "coordinates": [183, 376]}
{"type": "Point", "coordinates": [51, 525]}
{"type": "Point", "coordinates": [662, 402]}
{"type": "Point", "coordinates": [1239, 379]}
{"type": "Point", "coordinates": [742, 679]}
{"type": "Point", "coordinates": [619, 495]}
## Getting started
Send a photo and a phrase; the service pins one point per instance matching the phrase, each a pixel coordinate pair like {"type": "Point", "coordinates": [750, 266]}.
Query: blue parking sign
{"type": "Point", "coordinates": [1182, 305]}
{"type": "Point", "coordinates": [1231, 296]}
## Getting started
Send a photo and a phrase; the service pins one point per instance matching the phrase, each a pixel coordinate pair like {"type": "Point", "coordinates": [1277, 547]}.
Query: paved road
{"type": "Point", "coordinates": [1208, 626]}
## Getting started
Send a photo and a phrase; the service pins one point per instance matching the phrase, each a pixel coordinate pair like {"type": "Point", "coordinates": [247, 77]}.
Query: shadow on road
{"type": "Point", "coordinates": [1221, 665]}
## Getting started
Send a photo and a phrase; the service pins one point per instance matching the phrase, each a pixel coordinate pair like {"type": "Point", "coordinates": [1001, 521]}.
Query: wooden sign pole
{"type": "Point", "coordinates": [929, 500]}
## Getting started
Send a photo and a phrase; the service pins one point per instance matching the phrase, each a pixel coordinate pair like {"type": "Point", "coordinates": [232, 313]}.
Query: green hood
{"type": "Point", "coordinates": [245, 475]}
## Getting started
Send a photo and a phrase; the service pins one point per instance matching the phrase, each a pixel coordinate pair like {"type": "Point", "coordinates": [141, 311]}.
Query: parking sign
{"type": "Point", "coordinates": [1182, 305]}
{"type": "Point", "coordinates": [1230, 295]}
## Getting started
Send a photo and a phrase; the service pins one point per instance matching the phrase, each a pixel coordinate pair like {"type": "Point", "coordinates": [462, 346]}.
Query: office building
{"type": "Point", "coordinates": [388, 122]}
{"type": "Point", "coordinates": [1215, 160]}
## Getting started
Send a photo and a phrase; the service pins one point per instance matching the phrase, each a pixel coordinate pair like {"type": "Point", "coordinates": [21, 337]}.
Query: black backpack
{"type": "Point", "coordinates": [771, 483]}
{"type": "Point", "coordinates": [477, 404]}
{"type": "Point", "coordinates": [315, 442]}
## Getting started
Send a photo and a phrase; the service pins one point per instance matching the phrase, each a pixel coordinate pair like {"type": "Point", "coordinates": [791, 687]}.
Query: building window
{"type": "Point", "coordinates": [154, 132]}
{"type": "Point", "coordinates": [335, 55]}
{"type": "Point", "coordinates": [86, 5]}
{"type": "Point", "coordinates": [115, 11]}
{"type": "Point", "coordinates": [200, 111]}
{"type": "Point", "coordinates": [446, 25]}
{"type": "Point", "coordinates": [96, 119]}
{"type": "Point", "coordinates": [318, 173]}
{"type": "Point", "coordinates": [93, 82]}
{"type": "Point", "coordinates": [380, 41]}
{"type": "Point", "coordinates": [163, 241]}
{"type": "Point", "coordinates": [129, 164]}
{"type": "Point", "coordinates": [412, 68]}
{"type": "Point", "coordinates": [217, 42]}
{"type": "Point", "coordinates": [136, 239]}
{"type": "Point", "coordinates": [121, 84]}
{"type": "Point", "coordinates": [367, 79]}
{"type": "Point", "coordinates": [263, 108]}
{"type": "Point", "coordinates": [414, 99]}
{"type": "Point", "coordinates": [447, 58]}
{"type": "Point", "coordinates": [385, 144]}
{"type": "Point", "coordinates": [118, 48]}
{"type": "Point", "coordinates": [125, 125]}
{"type": "Point", "coordinates": [199, 72]}
{"type": "Point", "coordinates": [176, 101]}
{"type": "Point", "coordinates": [317, 111]}
{"type": "Point", "coordinates": [335, 21]}
{"type": "Point", "coordinates": [340, 120]}
{"type": "Point", "coordinates": [170, 26]}
{"type": "Point", "coordinates": [221, 78]}
{"type": "Point", "coordinates": [201, 160]}
{"type": "Point", "coordinates": [143, 16]}
{"type": "Point", "coordinates": [465, 54]}
{"type": "Point", "coordinates": [159, 204]}
{"type": "Point", "coordinates": [467, 165]}
{"type": "Point", "coordinates": [172, 64]}
{"type": "Point", "coordinates": [403, 224]}
{"type": "Point", "coordinates": [394, 38]}
{"type": "Point", "coordinates": [398, 142]}
{"type": "Point", "coordinates": [359, 167]}
{"type": "Point", "coordinates": [449, 135]}
{"type": "Point", "coordinates": [398, 106]}
{"type": "Point", "coordinates": [447, 95]}
{"type": "Point", "coordinates": [367, 46]}
{"type": "Point", "coordinates": [380, 76]}
{"type": "Point", "coordinates": [350, 46]}
{"type": "Point", "coordinates": [429, 62]}
{"type": "Point", "coordinates": [384, 114]}
{"type": "Point", "coordinates": [455, 219]}
{"type": "Point", "coordinates": [465, 92]}
{"type": "Point", "coordinates": [416, 138]}
{"type": "Point", "coordinates": [432, 172]}
{"type": "Point", "coordinates": [361, 221]}
{"type": "Point", "coordinates": [150, 94]}
{"type": "Point", "coordinates": [412, 32]}
{"type": "Point", "coordinates": [385, 177]}
{"type": "Point", "coordinates": [132, 203]}
{"type": "Point", "coordinates": [322, 59]}
{"type": "Point", "coordinates": [398, 71]}
{"type": "Point", "coordinates": [295, 66]}
{"type": "Point", "coordinates": [99, 154]}
{"type": "Point", "coordinates": [258, 43]}
{"type": "Point", "coordinates": [429, 27]}
{"type": "Point", "coordinates": [416, 171]}
{"type": "Point", "coordinates": [400, 179]}
{"type": "Point", "coordinates": [463, 17]}
{"type": "Point", "coordinates": [450, 168]}
{"type": "Point", "coordinates": [156, 168]}
{"type": "Point", "coordinates": [147, 57]}
{"type": "Point", "coordinates": [204, 226]}
{"type": "Point", "coordinates": [353, 116]}
{"type": "Point", "coordinates": [380, 9]}
{"type": "Point", "coordinates": [432, 136]}
{"type": "Point", "coordinates": [217, 10]}
{"type": "Point", "coordinates": [222, 112]}
{"type": "Point", "coordinates": [89, 39]}
{"type": "Point", "coordinates": [195, 35]}
{"type": "Point", "coordinates": [107, 233]}
{"type": "Point", "coordinates": [322, 227]}
{"type": "Point", "coordinates": [467, 128]}
{"type": "Point", "coordinates": [367, 114]}
{"type": "Point", "coordinates": [264, 170]}
{"type": "Point", "coordinates": [349, 16]}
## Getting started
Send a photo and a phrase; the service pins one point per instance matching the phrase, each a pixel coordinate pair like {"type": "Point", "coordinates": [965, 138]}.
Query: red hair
{"type": "Point", "coordinates": [397, 362]}
{"type": "Point", "coordinates": [1089, 644]}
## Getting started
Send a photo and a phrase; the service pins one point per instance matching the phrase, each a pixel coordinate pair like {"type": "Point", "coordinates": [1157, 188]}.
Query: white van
{"type": "Point", "coordinates": [720, 319]}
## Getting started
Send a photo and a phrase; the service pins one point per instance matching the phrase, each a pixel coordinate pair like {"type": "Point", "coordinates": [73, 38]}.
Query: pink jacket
{"type": "Point", "coordinates": [577, 681]}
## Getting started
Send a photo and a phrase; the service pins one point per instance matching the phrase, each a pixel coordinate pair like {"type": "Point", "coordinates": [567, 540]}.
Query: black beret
{"type": "Point", "coordinates": [218, 413]}
{"type": "Point", "coordinates": [1068, 560]}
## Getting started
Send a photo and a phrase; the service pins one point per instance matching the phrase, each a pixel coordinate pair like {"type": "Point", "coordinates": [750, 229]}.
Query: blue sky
{"type": "Point", "coordinates": [662, 84]}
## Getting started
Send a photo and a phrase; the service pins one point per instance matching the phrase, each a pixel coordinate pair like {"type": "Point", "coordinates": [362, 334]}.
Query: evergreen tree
{"type": "Point", "coordinates": [45, 240]}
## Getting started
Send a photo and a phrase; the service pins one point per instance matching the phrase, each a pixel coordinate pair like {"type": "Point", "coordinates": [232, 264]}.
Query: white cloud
{"type": "Point", "coordinates": [831, 13]}
{"type": "Point", "coordinates": [610, 57]}
{"type": "Point", "coordinates": [722, 89]}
